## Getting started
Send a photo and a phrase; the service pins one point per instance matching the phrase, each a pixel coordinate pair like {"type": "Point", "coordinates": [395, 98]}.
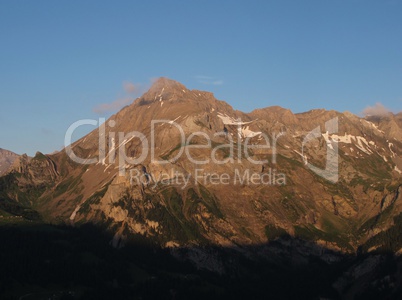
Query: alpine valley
{"type": "Point", "coordinates": [180, 196]}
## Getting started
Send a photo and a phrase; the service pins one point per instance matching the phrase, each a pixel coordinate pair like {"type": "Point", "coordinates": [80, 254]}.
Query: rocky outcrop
{"type": "Point", "coordinates": [7, 158]}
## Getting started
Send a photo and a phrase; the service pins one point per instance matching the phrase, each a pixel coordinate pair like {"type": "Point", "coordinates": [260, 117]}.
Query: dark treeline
{"type": "Point", "coordinates": [79, 263]}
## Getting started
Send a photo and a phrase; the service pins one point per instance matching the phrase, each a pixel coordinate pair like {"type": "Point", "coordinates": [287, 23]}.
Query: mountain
{"type": "Point", "coordinates": [369, 170]}
{"type": "Point", "coordinates": [6, 160]}
{"type": "Point", "coordinates": [186, 172]}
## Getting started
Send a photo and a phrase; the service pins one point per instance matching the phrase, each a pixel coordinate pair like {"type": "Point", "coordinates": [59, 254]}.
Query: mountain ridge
{"type": "Point", "coordinates": [89, 193]}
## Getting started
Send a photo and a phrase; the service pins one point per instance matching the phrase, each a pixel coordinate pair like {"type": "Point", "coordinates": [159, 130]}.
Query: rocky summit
{"type": "Point", "coordinates": [212, 187]}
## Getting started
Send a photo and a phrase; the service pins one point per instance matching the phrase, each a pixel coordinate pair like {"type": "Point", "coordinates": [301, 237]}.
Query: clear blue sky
{"type": "Point", "coordinates": [60, 59]}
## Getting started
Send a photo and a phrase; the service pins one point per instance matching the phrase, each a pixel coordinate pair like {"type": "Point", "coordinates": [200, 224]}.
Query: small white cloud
{"type": "Point", "coordinates": [217, 82]}
{"type": "Point", "coordinates": [376, 110]}
{"type": "Point", "coordinates": [208, 80]}
{"type": "Point", "coordinates": [202, 77]}
{"type": "Point", "coordinates": [130, 89]}
{"type": "Point", "coordinates": [111, 107]}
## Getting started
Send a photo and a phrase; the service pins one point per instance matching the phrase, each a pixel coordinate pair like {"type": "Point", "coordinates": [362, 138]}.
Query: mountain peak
{"type": "Point", "coordinates": [166, 83]}
{"type": "Point", "coordinates": [167, 89]}
{"type": "Point", "coordinates": [163, 89]}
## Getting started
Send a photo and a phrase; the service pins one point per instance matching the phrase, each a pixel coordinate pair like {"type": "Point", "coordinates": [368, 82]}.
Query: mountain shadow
{"type": "Point", "coordinates": [41, 261]}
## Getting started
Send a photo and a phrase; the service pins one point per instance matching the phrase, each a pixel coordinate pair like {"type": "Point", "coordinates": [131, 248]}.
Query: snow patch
{"type": "Point", "coordinates": [247, 133]}
{"type": "Point", "coordinates": [347, 138]}
{"type": "Point", "coordinates": [106, 168]}
{"type": "Point", "coordinates": [72, 217]}
{"type": "Point", "coordinates": [374, 126]}
{"type": "Point", "coordinates": [392, 152]}
{"type": "Point", "coordinates": [327, 140]}
{"type": "Point", "coordinates": [231, 121]}
{"type": "Point", "coordinates": [171, 122]}
{"type": "Point", "coordinates": [125, 142]}
{"type": "Point", "coordinates": [360, 141]}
